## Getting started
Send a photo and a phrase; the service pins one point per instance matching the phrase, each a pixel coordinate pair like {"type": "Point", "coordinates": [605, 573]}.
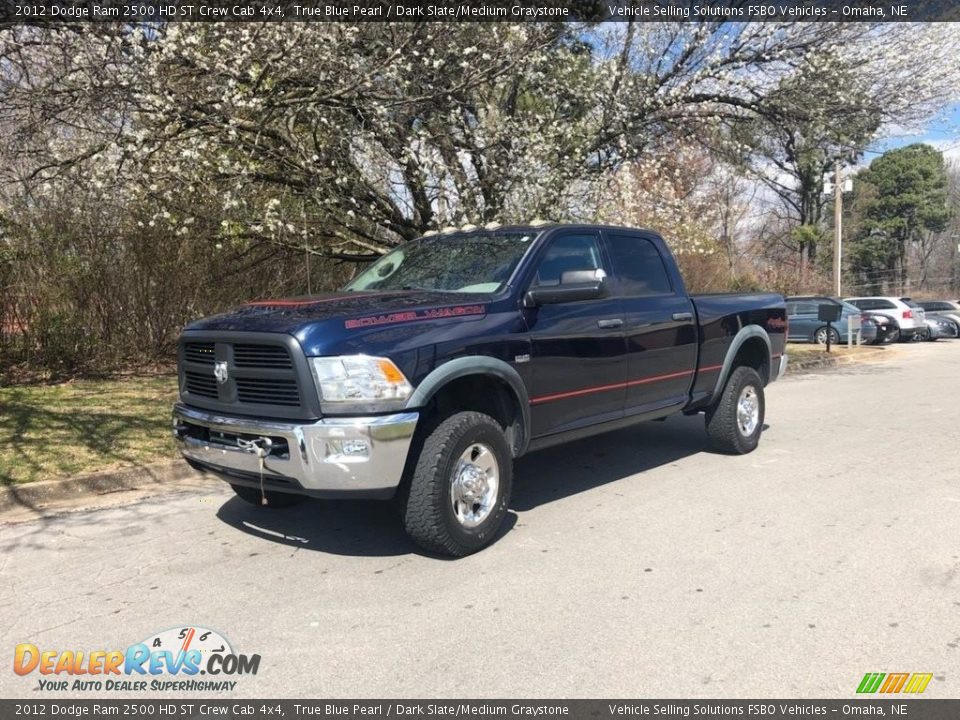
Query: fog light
{"type": "Point", "coordinates": [356, 447]}
{"type": "Point", "coordinates": [343, 451]}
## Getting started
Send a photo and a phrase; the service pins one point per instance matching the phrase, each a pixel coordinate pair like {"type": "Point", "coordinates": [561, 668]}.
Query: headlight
{"type": "Point", "coordinates": [359, 378]}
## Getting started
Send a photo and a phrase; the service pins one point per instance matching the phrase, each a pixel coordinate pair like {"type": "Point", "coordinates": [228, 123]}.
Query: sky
{"type": "Point", "coordinates": [943, 133]}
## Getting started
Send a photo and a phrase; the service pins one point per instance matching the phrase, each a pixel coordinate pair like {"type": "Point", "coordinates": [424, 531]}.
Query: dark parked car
{"type": "Point", "coordinates": [452, 355]}
{"type": "Point", "coordinates": [805, 325]}
{"type": "Point", "coordinates": [946, 308]}
{"type": "Point", "coordinates": [940, 327]}
{"type": "Point", "coordinates": [888, 330]}
{"type": "Point", "coordinates": [937, 326]}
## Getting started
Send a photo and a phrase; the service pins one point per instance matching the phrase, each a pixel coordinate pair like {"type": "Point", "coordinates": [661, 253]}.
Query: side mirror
{"type": "Point", "coordinates": [575, 285]}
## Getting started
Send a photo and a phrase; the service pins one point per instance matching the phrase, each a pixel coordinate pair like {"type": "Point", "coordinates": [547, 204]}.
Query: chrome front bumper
{"type": "Point", "coordinates": [332, 457]}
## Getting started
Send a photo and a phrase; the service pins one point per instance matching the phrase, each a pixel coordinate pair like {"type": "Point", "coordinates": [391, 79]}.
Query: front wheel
{"type": "Point", "coordinates": [460, 488]}
{"type": "Point", "coordinates": [735, 422]}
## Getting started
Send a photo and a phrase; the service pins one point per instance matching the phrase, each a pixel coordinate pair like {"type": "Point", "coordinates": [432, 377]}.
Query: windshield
{"type": "Point", "coordinates": [467, 263]}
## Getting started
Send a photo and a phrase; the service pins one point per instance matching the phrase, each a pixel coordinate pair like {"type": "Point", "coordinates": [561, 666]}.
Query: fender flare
{"type": "Point", "coordinates": [484, 366]}
{"type": "Point", "coordinates": [747, 332]}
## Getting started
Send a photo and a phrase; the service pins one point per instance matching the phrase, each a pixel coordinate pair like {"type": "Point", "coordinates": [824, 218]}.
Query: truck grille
{"type": "Point", "coordinates": [198, 384]}
{"type": "Point", "coordinates": [262, 378]}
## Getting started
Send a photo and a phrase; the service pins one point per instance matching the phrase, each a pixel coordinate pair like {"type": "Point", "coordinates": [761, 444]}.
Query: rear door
{"type": "Point", "coordinates": [578, 350]}
{"type": "Point", "coordinates": [661, 328]}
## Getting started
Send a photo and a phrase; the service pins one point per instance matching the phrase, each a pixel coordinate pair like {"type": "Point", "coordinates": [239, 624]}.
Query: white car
{"type": "Point", "coordinates": [911, 320]}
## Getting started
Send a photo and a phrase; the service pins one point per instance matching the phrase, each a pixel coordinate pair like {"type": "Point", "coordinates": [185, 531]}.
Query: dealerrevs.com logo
{"type": "Point", "coordinates": [171, 660]}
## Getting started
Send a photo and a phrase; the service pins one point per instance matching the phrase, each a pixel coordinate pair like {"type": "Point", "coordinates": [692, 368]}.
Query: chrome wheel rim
{"type": "Point", "coordinates": [748, 411]}
{"type": "Point", "coordinates": [475, 485]}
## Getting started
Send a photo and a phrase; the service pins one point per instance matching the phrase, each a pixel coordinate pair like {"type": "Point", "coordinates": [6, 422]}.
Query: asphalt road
{"type": "Point", "coordinates": [636, 565]}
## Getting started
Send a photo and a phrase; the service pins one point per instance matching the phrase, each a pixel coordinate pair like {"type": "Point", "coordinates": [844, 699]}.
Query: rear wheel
{"type": "Point", "coordinates": [460, 488]}
{"type": "Point", "coordinates": [274, 498]}
{"type": "Point", "coordinates": [735, 422]}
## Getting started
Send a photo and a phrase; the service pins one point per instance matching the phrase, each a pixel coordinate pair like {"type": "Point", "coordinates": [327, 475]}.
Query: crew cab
{"type": "Point", "coordinates": [447, 358]}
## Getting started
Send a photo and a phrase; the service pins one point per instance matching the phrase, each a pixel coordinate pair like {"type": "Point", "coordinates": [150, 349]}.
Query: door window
{"type": "Point", "coordinates": [566, 254]}
{"type": "Point", "coordinates": [639, 267]}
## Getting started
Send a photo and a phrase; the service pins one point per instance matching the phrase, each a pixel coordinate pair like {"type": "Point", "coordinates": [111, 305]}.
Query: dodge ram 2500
{"type": "Point", "coordinates": [454, 354]}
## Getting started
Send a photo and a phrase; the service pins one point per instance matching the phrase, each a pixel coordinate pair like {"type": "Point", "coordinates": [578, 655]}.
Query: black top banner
{"type": "Point", "coordinates": [60, 11]}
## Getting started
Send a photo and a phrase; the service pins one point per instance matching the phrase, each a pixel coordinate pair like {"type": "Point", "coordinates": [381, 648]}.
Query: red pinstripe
{"type": "Point", "coordinates": [295, 303]}
{"type": "Point", "coordinates": [617, 386]}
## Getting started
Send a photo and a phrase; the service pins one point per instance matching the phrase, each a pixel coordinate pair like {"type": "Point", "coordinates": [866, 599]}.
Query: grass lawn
{"type": "Point", "coordinates": [51, 431]}
{"type": "Point", "coordinates": [806, 351]}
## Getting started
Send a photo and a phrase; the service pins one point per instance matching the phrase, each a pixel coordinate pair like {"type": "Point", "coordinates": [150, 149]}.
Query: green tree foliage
{"type": "Point", "coordinates": [901, 196]}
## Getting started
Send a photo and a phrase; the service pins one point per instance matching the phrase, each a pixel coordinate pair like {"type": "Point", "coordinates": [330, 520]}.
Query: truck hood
{"type": "Point", "coordinates": [324, 323]}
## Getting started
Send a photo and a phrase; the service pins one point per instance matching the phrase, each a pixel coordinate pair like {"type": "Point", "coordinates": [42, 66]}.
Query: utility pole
{"type": "Point", "coordinates": [837, 229]}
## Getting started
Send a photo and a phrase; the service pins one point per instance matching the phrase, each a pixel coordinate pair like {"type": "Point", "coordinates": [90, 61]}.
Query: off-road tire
{"type": "Point", "coordinates": [428, 516]}
{"type": "Point", "coordinates": [721, 419]}
{"type": "Point", "coordinates": [274, 499]}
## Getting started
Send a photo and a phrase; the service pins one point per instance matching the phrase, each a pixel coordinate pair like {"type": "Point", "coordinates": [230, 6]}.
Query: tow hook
{"type": "Point", "coordinates": [261, 448]}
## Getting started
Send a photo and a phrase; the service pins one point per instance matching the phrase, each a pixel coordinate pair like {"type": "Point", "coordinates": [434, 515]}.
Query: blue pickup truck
{"type": "Point", "coordinates": [445, 359]}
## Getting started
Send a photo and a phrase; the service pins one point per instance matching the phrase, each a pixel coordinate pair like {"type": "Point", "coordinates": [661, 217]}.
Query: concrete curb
{"type": "Point", "coordinates": [47, 493]}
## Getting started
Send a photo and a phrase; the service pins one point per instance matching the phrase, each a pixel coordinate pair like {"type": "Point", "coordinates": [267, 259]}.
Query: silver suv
{"type": "Point", "coordinates": [911, 320]}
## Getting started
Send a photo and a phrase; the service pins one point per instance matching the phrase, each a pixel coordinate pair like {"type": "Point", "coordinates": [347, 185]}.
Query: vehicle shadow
{"type": "Point", "coordinates": [367, 528]}
{"type": "Point", "coordinates": [580, 466]}
{"type": "Point", "coordinates": [340, 527]}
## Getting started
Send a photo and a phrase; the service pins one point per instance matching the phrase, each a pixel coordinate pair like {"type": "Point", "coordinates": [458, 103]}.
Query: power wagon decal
{"type": "Point", "coordinates": [415, 315]}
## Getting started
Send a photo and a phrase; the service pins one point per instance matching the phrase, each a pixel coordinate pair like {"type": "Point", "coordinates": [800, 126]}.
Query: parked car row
{"type": "Point", "coordinates": [882, 319]}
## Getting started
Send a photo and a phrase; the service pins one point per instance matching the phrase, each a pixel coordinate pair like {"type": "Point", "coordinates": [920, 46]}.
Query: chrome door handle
{"type": "Point", "coordinates": [609, 324]}
{"type": "Point", "coordinates": [682, 316]}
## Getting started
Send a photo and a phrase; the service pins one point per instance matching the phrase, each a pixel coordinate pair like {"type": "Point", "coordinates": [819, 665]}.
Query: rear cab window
{"type": "Point", "coordinates": [638, 266]}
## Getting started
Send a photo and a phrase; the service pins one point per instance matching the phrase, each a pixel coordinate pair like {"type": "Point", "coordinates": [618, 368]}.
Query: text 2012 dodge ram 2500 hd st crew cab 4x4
{"type": "Point", "coordinates": [456, 353]}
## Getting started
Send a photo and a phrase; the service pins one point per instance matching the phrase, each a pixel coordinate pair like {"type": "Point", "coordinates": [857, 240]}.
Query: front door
{"type": "Point", "coordinates": [578, 349]}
